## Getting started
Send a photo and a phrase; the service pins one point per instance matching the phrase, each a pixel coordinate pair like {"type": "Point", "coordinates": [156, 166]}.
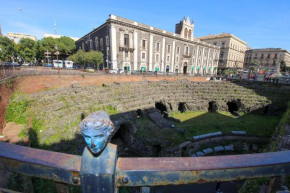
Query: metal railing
{"type": "Point", "coordinates": [107, 173]}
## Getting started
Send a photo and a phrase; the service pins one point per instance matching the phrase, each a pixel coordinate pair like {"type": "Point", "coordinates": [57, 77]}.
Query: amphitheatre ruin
{"type": "Point", "coordinates": [148, 113]}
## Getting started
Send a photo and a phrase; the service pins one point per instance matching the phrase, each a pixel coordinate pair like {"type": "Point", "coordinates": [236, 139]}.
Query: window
{"type": "Point", "coordinates": [193, 52]}
{"type": "Point", "coordinates": [168, 48]}
{"type": "Point", "coordinates": [262, 56]}
{"type": "Point", "coordinates": [101, 43]}
{"type": "Point", "coordinates": [143, 56]}
{"type": "Point", "coordinates": [168, 58]}
{"type": "Point", "coordinates": [126, 40]}
{"type": "Point", "coordinates": [91, 44]}
{"type": "Point", "coordinates": [177, 50]}
{"type": "Point", "coordinates": [214, 43]}
{"type": "Point", "coordinates": [189, 34]}
{"type": "Point", "coordinates": [126, 54]}
{"type": "Point", "coordinates": [97, 43]}
{"type": "Point", "coordinates": [222, 55]}
{"type": "Point", "coordinates": [144, 44]}
{"type": "Point", "coordinates": [177, 59]}
{"type": "Point", "coordinates": [107, 41]}
{"type": "Point", "coordinates": [83, 46]}
{"type": "Point", "coordinates": [275, 55]}
{"type": "Point", "coordinates": [269, 55]}
{"type": "Point", "coordinates": [157, 58]}
{"type": "Point", "coordinates": [186, 50]}
{"type": "Point", "coordinates": [157, 46]}
{"type": "Point", "coordinates": [223, 44]}
{"type": "Point", "coordinates": [185, 33]}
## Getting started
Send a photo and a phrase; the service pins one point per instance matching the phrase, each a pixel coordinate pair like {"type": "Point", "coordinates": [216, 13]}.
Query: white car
{"type": "Point", "coordinates": [116, 71]}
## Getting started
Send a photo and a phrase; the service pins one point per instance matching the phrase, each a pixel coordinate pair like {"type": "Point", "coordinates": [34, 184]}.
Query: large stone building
{"type": "Point", "coordinates": [232, 52]}
{"type": "Point", "coordinates": [16, 37]}
{"type": "Point", "coordinates": [132, 46]}
{"type": "Point", "coordinates": [267, 58]}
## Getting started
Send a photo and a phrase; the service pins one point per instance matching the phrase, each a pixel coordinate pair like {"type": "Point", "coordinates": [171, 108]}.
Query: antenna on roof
{"type": "Point", "coordinates": [54, 27]}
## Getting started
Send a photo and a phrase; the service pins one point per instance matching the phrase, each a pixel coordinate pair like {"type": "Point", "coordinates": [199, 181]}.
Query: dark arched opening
{"type": "Point", "coordinates": [139, 113]}
{"type": "Point", "coordinates": [232, 107]}
{"type": "Point", "coordinates": [185, 68]}
{"type": "Point", "coordinates": [181, 107]}
{"type": "Point", "coordinates": [156, 149]}
{"type": "Point", "coordinates": [160, 106]}
{"type": "Point", "coordinates": [266, 110]}
{"type": "Point", "coordinates": [123, 136]}
{"type": "Point", "coordinates": [183, 151]}
{"type": "Point", "coordinates": [212, 107]}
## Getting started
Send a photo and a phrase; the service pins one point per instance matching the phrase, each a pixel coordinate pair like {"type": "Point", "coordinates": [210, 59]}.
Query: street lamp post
{"type": "Point", "coordinates": [4, 74]}
{"type": "Point", "coordinates": [58, 67]}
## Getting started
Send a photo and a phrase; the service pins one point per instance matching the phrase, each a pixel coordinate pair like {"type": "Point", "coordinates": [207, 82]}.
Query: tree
{"type": "Point", "coordinates": [92, 57]}
{"type": "Point", "coordinates": [283, 66]}
{"type": "Point", "coordinates": [66, 45]}
{"type": "Point", "coordinates": [49, 44]}
{"type": "Point", "coordinates": [26, 49]}
{"type": "Point", "coordinates": [95, 57]}
{"type": "Point", "coordinates": [7, 49]}
{"type": "Point", "coordinates": [39, 51]}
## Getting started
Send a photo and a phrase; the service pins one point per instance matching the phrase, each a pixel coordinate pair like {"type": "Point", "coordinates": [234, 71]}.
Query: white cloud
{"type": "Point", "coordinates": [28, 29]}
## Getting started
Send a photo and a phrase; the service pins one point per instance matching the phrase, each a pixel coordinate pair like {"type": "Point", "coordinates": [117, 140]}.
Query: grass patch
{"type": "Point", "coordinates": [197, 123]}
{"type": "Point", "coordinates": [16, 110]}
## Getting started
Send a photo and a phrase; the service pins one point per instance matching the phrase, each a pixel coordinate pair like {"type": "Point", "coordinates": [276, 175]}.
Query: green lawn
{"type": "Point", "coordinates": [197, 123]}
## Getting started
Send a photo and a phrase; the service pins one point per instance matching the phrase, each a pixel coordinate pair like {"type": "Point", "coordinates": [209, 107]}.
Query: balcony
{"type": "Point", "coordinates": [186, 56]}
{"type": "Point", "coordinates": [121, 49]}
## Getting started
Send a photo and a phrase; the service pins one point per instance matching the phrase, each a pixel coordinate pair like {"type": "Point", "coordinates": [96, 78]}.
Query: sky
{"type": "Point", "coordinates": [260, 23]}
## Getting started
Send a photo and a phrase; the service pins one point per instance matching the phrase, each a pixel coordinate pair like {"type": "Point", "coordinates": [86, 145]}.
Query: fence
{"type": "Point", "coordinates": [107, 173]}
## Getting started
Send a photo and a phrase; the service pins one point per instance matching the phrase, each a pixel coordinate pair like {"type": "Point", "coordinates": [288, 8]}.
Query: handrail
{"type": "Point", "coordinates": [146, 172]}
{"type": "Point", "coordinates": [55, 166]}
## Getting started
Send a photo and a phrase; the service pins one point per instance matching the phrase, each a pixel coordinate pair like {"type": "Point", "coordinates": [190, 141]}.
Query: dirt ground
{"type": "Point", "coordinates": [31, 84]}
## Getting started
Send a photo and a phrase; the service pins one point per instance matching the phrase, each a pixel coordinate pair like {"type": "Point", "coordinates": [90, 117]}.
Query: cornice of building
{"type": "Point", "coordinates": [147, 28]}
{"type": "Point", "coordinates": [221, 36]}
{"type": "Point", "coordinates": [269, 50]}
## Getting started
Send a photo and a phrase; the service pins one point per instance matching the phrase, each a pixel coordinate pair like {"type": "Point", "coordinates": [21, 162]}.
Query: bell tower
{"type": "Point", "coordinates": [185, 28]}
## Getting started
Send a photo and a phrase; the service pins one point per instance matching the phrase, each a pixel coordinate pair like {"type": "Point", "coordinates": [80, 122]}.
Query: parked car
{"type": "Point", "coordinates": [11, 65]}
{"type": "Point", "coordinates": [26, 64]}
{"type": "Point", "coordinates": [116, 71]}
{"type": "Point", "coordinates": [48, 65]}
{"type": "Point", "coordinates": [76, 66]}
{"type": "Point", "coordinates": [88, 68]}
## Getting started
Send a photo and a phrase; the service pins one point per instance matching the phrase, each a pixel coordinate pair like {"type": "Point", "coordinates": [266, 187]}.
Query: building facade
{"type": "Point", "coordinates": [268, 58]}
{"type": "Point", "coordinates": [16, 37]}
{"type": "Point", "coordinates": [232, 52]}
{"type": "Point", "coordinates": [131, 46]}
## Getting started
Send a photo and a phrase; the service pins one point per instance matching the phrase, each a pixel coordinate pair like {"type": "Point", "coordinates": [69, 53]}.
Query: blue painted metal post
{"type": "Point", "coordinates": [98, 172]}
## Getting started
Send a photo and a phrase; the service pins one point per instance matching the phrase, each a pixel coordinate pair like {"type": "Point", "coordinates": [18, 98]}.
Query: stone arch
{"type": "Point", "coordinates": [266, 109]}
{"type": "Point", "coordinates": [232, 107]}
{"type": "Point", "coordinates": [123, 137]}
{"type": "Point", "coordinates": [139, 113]}
{"type": "Point", "coordinates": [181, 107]}
{"type": "Point", "coordinates": [156, 149]}
{"type": "Point", "coordinates": [212, 107]}
{"type": "Point", "coordinates": [160, 106]}
{"type": "Point", "coordinates": [185, 68]}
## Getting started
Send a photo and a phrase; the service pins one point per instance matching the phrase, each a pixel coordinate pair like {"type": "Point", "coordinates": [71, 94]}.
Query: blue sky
{"type": "Point", "coordinates": [261, 23]}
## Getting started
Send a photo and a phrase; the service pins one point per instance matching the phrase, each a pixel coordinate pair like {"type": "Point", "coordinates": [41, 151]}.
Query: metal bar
{"type": "Point", "coordinates": [59, 167]}
{"type": "Point", "coordinates": [175, 171]}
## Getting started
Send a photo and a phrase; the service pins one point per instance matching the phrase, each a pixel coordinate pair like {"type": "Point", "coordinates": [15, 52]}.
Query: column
{"type": "Point", "coordinates": [151, 47]}
{"type": "Point", "coordinates": [135, 49]}
{"type": "Point", "coordinates": [113, 45]}
{"type": "Point", "coordinates": [207, 60]}
{"type": "Point", "coordinates": [196, 59]}
{"type": "Point", "coordinates": [163, 55]}
{"type": "Point", "coordinates": [173, 56]}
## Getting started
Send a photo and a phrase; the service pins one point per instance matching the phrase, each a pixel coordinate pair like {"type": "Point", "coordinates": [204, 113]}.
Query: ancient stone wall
{"type": "Point", "coordinates": [67, 105]}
